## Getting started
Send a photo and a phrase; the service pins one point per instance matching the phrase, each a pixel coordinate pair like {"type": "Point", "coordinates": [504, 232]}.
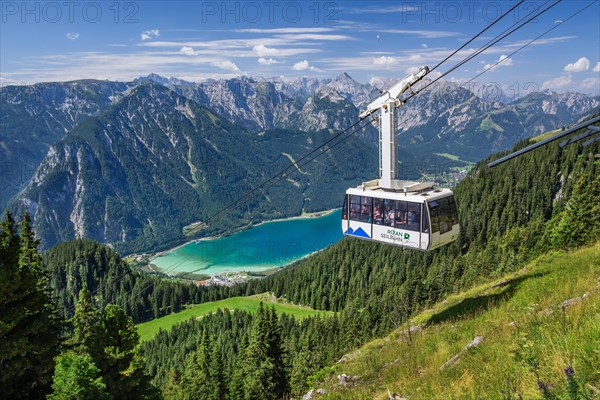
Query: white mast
{"type": "Point", "coordinates": [387, 104]}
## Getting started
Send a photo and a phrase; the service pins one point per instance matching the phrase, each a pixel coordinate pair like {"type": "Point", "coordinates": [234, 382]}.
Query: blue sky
{"type": "Point", "coordinates": [197, 40]}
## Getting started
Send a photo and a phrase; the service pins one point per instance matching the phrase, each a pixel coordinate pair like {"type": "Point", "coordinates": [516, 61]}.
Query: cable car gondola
{"type": "Point", "coordinates": [417, 215]}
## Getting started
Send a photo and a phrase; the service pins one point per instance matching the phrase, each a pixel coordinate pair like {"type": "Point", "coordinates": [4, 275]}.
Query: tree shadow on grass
{"type": "Point", "coordinates": [471, 306]}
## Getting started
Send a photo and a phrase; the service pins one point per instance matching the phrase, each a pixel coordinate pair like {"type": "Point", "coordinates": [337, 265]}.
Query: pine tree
{"type": "Point", "coordinates": [86, 323]}
{"type": "Point", "coordinates": [121, 368]}
{"type": "Point", "coordinates": [77, 378]}
{"type": "Point", "coordinates": [236, 381]}
{"type": "Point", "coordinates": [196, 379]}
{"type": "Point", "coordinates": [579, 222]}
{"type": "Point", "coordinates": [264, 372]}
{"type": "Point", "coordinates": [30, 328]}
{"type": "Point", "coordinates": [303, 365]}
{"type": "Point", "coordinates": [9, 241]}
{"type": "Point", "coordinates": [276, 353]}
{"type": "Point", "coordinates": [174, 388]}
{"type": "Point", "coordinates": [29, 256]}
{"type": "Point", "coordinates": [217, 380]}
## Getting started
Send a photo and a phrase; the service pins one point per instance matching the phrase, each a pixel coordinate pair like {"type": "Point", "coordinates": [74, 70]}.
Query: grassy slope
{"type": "Point", "coordinates": [147, 330]}
{"type": "Point", "coordinates": [545, 135]}
{"type": "Point", "coordinates": [521, 321]}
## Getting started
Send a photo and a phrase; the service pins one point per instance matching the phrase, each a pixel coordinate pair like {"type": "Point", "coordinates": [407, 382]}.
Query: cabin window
{"type": "Point", "coordinates": [424, 220]}
{"type": "Point", "coordinates": [378, 211]}
{"type": "Point", "coordinates": [366, 209]}
{"type": "Point", "coordinates": [453, 211]}
{"type": "Point", "coordinates": [389, 212]}
{"type": "Point", "coordinates": [407, 216]}
{"type": "Point", "coordinates": [433, 213]}
{"type": "Point", "coordinates": [400, 221]}
{"type": "Point", "coordinates": [413, 217]}
{"type": "Point", "coordinates": [444, 215]}
{"type": "Point", "coordinates": [354, 208]}
{"type": "Point", "coordinates": [345, 208]}
{"type": "Point", "coordinates": [361, 208]}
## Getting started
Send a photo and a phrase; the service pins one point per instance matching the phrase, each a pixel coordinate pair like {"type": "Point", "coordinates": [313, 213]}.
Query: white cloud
{"type": "Point", "coordinates": [423, 33]}
{"type": "Point", "coordinates": [285, 30]}
{"type": "Point", "coordinates": [226, 65]}
{"type": "Point", "coordinates": [412, 70]}
{"type": "Point", "coordinates": [376, 81]}
{"type": "Point", "coordinates": [558, 84]}
{"type": "Point", "coordinates": [583, 64]}
{"type": "Point", "coordinates": [384, 60]}
{"type": "Point", "coordinates": [72, 35]}
{"type": "Point", "coordinates": [384, 10]}
{"type": "Point", "coordinates": [188, 51]}
{"type": "Point", "coordinates": [424, 45]}
{"type": "Point", "coordinates": [263, 50]}
{"type": "Point", "coordinates": [597, 67]}
{"type": "Point", "coordinates": [303, 66]}
{"type": "Point", "coordinates": [592, 84]}
{"type": "Point", "coordinates": [147, 35]}
{"type": "Point", "coordinates": [503, 61]}
{"type": "Point", "coordinates": [315, 36]}
{"type": "Point", "coordinates": [269, 61]}
{"type": "Point", "coordinates": [121, 67]}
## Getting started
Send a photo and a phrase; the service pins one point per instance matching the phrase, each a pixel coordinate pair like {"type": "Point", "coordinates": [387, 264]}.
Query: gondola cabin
{"type": "Point", "coordinates": [418, 218]}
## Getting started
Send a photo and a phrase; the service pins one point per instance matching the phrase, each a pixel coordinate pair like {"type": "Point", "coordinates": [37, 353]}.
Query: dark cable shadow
{"type": "Point", "coordinates": [473, 306]}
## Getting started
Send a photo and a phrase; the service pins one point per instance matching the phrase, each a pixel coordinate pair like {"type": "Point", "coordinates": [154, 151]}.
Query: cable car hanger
{"type": "Point", "coordinates": [417, 215]}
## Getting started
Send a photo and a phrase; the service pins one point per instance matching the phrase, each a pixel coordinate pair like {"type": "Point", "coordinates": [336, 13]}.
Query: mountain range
{"type": "Point", "coordinates": [156, 161]}
{"type": "Point", "coordinates": [136, 162]}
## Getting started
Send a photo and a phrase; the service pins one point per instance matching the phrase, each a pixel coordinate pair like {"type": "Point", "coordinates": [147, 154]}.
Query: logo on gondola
{"type": "Point", "coordinates": [396, 236]}
{"type": "Point", "coordinates": [359, 232]}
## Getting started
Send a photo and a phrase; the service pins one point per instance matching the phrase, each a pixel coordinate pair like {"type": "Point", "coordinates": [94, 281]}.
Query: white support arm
{"type": "Point", "coordinates": [394, 92]}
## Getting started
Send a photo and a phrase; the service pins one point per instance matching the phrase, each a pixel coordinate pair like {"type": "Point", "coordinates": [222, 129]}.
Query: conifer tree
{"type": "Point", "coordinates": [9, 241]}
{"type": "Point", "coordinates": [86, 323]}
{"type": "Point", "coordinates": [30, 328]}
{"type": "Point", "coordinates": [203, 373]}
{"type": "Point", "coordinates": [236, 381]}
{"type": "Point", "coordinates": [276, 353]}
{"type": "Point", "coordinates": [122, 370]}
{"type": "Point", "coordinates": [579, 222]}
{"type": "Point", "coordinates": [76, 377]}
{"type": "Point", "coordinates": [303, 365]}
{"type": "Point", "coordinates": [217, 380]}
{"type": "Point", "coordinates": [264, 372]}
{"type": "Point", "coordinates": [174, 388]}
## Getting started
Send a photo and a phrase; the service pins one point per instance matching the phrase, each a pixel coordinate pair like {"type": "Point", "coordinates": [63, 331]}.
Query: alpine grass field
{"type": "Point", "coordinates": [540, 329]}
{"type": "Point", "coordinates": [148, 330]}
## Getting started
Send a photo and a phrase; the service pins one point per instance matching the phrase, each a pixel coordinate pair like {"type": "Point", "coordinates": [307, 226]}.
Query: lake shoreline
{"type": "Point", "coordinates": [304, 215]}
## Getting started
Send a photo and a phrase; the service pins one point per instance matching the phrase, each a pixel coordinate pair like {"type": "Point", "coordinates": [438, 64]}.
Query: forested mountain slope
{"type": "Point", "coordinates": [71, 266]}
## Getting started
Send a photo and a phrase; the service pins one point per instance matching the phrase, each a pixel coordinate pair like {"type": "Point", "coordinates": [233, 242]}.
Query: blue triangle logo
{"type": "Point", "coordinates": [359, 232]}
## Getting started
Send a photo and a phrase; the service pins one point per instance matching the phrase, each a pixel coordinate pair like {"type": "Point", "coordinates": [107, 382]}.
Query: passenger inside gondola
{"type": "Point", "coordinates": [378, 214]}
{"type": "Point", "coordinates": [413, 216]}
{"type": "Point", "coordinates": [389, 211]}
{"type": "Point", "coordinates": [400, 221]}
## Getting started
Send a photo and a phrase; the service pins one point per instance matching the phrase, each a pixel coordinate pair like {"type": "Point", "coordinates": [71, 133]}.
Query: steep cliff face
{"type": "Point", "coordinates": [32, 118]}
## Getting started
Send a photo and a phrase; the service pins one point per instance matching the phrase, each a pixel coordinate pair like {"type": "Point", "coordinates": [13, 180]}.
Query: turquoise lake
{"type": "Point", "coordinates": [272, 244]}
